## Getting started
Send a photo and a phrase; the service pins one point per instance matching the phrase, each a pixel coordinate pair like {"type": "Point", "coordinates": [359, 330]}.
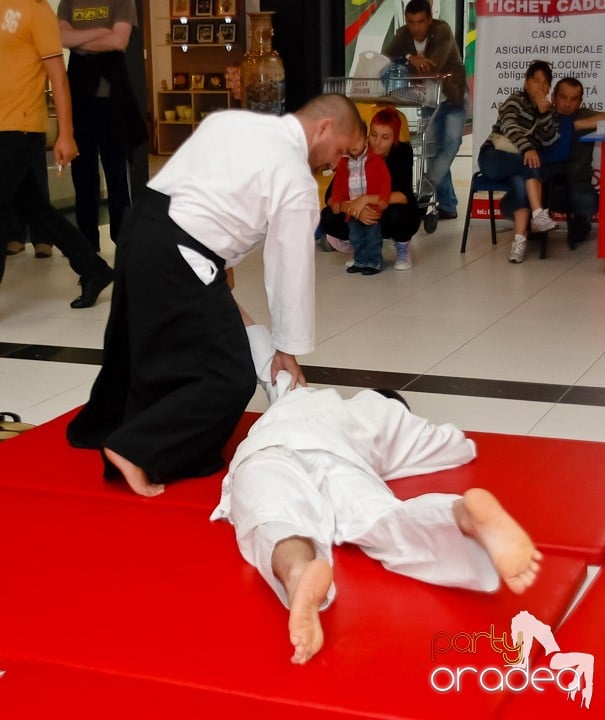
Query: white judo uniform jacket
{"type": "Point", "coordinates": [383, 438]}
{"type": "Point", "coordinates": [315, 465]}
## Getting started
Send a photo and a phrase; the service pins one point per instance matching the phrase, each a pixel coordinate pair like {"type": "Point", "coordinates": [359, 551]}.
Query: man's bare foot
{"type": "Point", "coordinates": [515, 557]}
{"type": "Point", "coordinates": [134, 476]}
{"type": "Point", "coordinates": [304, 625]}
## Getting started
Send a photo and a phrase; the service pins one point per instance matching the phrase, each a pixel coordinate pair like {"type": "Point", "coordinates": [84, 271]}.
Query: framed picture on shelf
{"type": "Point", "coordinates": [180, 81]}
{"type": "Point", "coordinates": [180, 34]}
{"type": "Point", "coordinates": [180, 8]}
{"type": "Point", "coordinates": [197, 81]}
{"type": "Point", "coordinates": [205, 34]}
{"type": "Point", "coordinates": [214, 81]}
{"type": "Point", "coordinates": [203, 8]}
{"type": "Point", "coordinates": [226, 33]}
{"type": "Point", "coordinates": [225, 8]}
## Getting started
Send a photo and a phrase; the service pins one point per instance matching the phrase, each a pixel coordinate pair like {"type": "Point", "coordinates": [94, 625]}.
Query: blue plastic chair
{"type": "Point", "coordinates": [479, 183]}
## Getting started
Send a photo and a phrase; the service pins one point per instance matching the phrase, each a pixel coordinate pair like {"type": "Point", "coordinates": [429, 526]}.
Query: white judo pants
{"type": "Point", "coordinates": [278, 493]}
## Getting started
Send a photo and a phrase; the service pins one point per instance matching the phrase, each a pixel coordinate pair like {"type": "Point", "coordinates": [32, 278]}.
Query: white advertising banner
{"type": "Point", "coordinates": [570, 34]}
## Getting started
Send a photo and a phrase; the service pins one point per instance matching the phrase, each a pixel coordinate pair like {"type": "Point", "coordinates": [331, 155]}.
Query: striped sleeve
{"type": "Point", "coordinates": [515, 121]}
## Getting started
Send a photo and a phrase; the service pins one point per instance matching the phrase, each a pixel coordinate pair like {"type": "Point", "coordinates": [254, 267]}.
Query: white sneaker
{"type": "Point", "coordinates": [343, 246]}
{"type": "Point", "coordinates": [518, 250]}
{"type": "Point", "coordinates": [541, 222]}
{"type": "Point", "coordinates": [404, 261]}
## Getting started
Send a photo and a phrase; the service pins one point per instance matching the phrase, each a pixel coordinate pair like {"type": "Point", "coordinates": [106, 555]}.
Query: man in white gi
{"type": "Point", "coordinates": [177, 371]}
{"type": "Point", "coordinates": [312, 473]}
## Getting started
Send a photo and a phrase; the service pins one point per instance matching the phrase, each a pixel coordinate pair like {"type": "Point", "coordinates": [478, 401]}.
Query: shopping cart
{"type": "Point", "coordinates": [417, 97]}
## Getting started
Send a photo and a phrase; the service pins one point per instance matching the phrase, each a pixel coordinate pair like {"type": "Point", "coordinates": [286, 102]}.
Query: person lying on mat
{"type": "Point", "coordinates": [312, 473]}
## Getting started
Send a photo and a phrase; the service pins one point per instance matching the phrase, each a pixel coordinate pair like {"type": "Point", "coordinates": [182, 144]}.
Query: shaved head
{"type": "Point", "coordinates": [331, 105]}
{"type": "Point", "coordinates": [331, 124]}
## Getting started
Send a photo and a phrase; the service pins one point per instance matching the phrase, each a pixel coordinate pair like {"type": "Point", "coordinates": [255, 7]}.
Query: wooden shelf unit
{"type": "Point", "coordinates": [200, 58]}
{"type": "Point", "coordinates": [171, 133]}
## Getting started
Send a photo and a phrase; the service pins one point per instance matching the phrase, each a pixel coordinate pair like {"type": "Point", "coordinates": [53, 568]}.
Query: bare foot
{"type": "Point", "coordinates": [304, 625]}
{"type": "Point", "coordinates": [510, 548]}
{"type": "Point", "coordinates": [134, 476]}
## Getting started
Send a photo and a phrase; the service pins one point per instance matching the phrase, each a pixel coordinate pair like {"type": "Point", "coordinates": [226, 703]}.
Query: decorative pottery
{"type": "Point", "coordinates": [263, 83]}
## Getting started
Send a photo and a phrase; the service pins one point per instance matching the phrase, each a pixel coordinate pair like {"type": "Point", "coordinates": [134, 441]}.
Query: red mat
{"type": "Point", "coordinates": [581, 632]}
{"type": "Point", "coordinates": [554, 487]}
{"type": "Point", "coordinates": [41, 459]}
{"type": "Point", "coordinates": [112, 605]}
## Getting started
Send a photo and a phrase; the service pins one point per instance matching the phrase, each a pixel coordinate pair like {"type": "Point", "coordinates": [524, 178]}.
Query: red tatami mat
{"type": "Point", "coordinates": [554, 487]}
{"type": "Point", "coordinates": [114, 592]}
{"type": "Point", "coordinates": [582, 632]}
{"type": "Point", "coordinates": [41, 459]}
{"type": "Point", "coordinates": [116, 606]}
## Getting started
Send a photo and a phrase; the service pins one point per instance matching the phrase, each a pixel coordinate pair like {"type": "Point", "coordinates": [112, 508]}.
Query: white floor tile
{"type": "Point", "coordinates": [510, 417]}
{"type": "Point", "coordinates": [576, 422]}
{"type": "Point", "coordinates": [40, 390]}
{"type": "Point", "coordinates": [595, 375]}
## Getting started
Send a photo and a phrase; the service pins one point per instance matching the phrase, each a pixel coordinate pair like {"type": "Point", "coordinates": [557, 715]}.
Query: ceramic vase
{"type": "Point", "coordinates": [262, 71]}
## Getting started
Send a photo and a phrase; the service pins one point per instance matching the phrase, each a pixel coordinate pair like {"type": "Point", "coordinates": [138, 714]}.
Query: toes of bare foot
{"type": "Point", "coordinates": [306, 634]}
{"type": "Point", "coordinates": [300, 655]}
{"type": "Point", "coordinates": [519, 583]}
{"type": "Point", "coordinates": [151, 490]}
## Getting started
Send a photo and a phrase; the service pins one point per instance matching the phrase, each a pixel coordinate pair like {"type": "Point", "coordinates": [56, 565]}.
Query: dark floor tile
{"type": "Point", "coordinates": [356, 378]}
{"type": "Point", "coordinates": [52, 353]}
{"type": "Point", "coordinates": [437, 384]}
{"type": "Point", "coordinates": [584, 395]}
{"type": "Point", "coordinates": [497, 389]}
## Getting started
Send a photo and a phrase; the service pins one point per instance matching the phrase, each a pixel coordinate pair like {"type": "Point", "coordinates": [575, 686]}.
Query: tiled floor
{"type": "Point", "coordinates": [441, 330]}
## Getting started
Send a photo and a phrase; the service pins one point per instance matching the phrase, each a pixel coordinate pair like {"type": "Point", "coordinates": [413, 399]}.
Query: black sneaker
{"type": "Point", "coordinates": [92, 287]}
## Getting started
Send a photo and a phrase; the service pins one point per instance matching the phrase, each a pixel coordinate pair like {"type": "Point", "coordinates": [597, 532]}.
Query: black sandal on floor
{"type": "Point", "coordinates": [13, 425]}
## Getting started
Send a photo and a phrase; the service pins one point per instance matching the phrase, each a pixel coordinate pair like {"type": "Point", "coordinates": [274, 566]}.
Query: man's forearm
{"type": "Point", "coordinates": [588, 123]}
{"type": "Point", "coordinates": [71, 38]}
{"type": "Point", "coordinates": [101, 40]}
{"type": "Point", "coordinates": [107, 43]}
{"type": "Point", "coordinates": [65, 149]}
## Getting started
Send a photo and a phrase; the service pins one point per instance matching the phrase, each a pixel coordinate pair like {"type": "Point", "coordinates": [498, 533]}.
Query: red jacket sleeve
{"type": "Point", "coordinates": [340, 188]}
{"type": "Point", "coordinates": [378, 179]}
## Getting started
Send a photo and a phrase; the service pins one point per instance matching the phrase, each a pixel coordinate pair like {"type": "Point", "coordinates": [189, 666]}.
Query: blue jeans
{"type": "Point", "coordinates": [446, 131]}
{"type": "Point", "coordinates": [398, 221]}
{"type": "Point", "coordinates": [367, 244]}
{"type": "Point", "coordinates": [509, 167]}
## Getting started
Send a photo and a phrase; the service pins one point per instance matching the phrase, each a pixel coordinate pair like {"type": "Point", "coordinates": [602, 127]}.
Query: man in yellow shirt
{"type": "Point", "coordinates": [30, 50]}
